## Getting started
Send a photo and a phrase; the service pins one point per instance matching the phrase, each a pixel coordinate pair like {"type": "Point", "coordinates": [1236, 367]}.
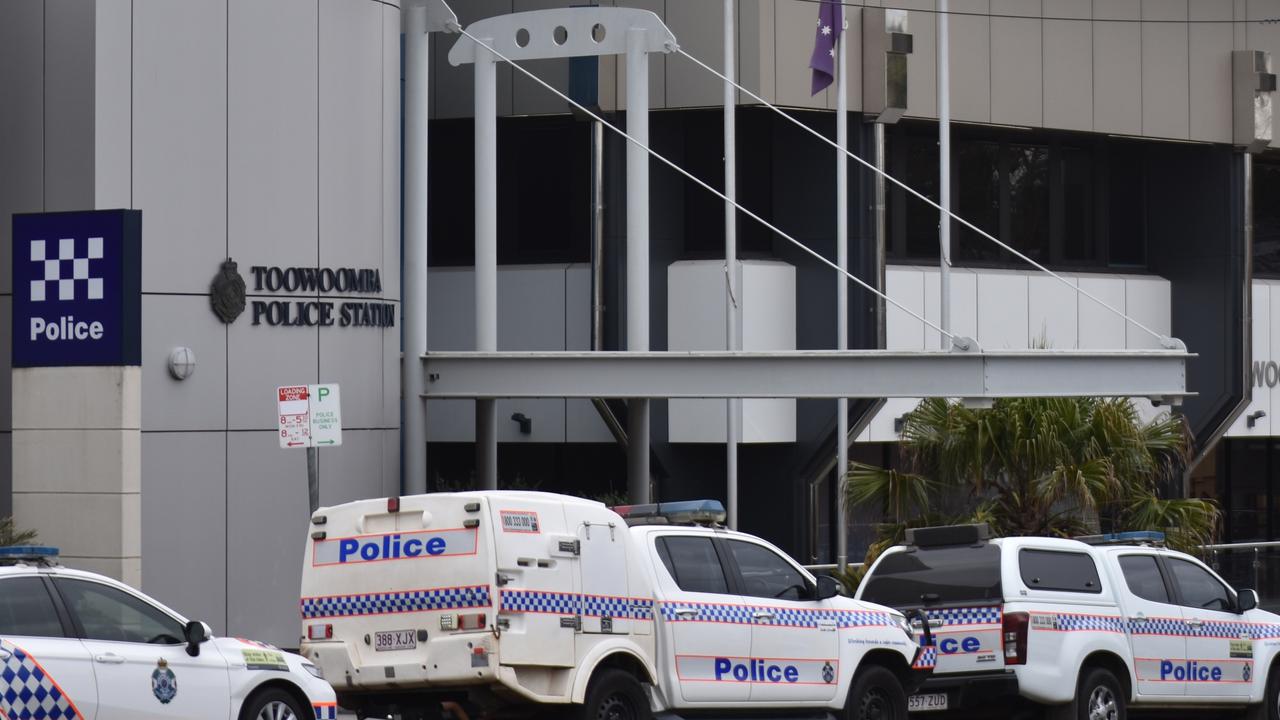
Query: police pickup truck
{"type": "Point", "coordinates": [1087, 627]}
{"type": "Point", "coordinates": [515, 601]}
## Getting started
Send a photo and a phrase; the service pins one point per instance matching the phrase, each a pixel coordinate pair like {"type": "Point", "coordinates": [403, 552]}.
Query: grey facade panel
{"type": "Point", "coordinates": [1117, 78]}
{"type": "Point", "coordinates": [1068, 74]}
{"type": "Point", "coordinates": [272, 155]}
{"type": "Point", "coordinates": [353, 471]}
{"type": "Point", "coordinates": [700, 31]}
{"type": "Point", "coordinates": [1017, 71]}
{"type": "Point", "coordinates": [1068, 8]}
{"type": "Point", "coordinates": [22, 125]}
{"type": "Point", "coordinates": [68, 105]}
{"type": "Point", "coordinates": [657, 62]}
{"type": "Point", "coordinates": [454, 87]}
{"type": "Point", "coordinates": [1209, 84]}
{"type": "Point", "coordinates": [1166, 102]}
{"type": "Point", "coordinates": [6, 473]}
{"type": "Point", "coordinates": [200, 401]}
{"type": "Point", "coordinates": [1264, 36]}
{"type": "Point", "coordinates": [922, 64]}
{"type": "Point", "coordinates": [184, 522]}
{"type": "Point", "coordinates": [260, 358]}
{"type": "Point", "coordinates": [970, 39]}
{"type": "Point", "coordinates": [180, 141]}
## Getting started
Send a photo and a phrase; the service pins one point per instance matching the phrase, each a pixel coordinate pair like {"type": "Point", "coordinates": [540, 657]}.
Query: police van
{"type": "Point", "coordinates": [520, 600]}
{"type": "Point", "coordinates": [1087, 627]}
{"type": "Point", "coordinates": [79, 646]}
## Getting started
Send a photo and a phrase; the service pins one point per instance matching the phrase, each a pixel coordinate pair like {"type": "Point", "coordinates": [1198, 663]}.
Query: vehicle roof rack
{"type": "Point", "coordinates": [1134, 537]}
{"type": "Point", "coordinates": [43, 555]}
{"type": "Point", "coordinates": [709, 513]}
{"type": "Point", "coordinates": [948, 535]}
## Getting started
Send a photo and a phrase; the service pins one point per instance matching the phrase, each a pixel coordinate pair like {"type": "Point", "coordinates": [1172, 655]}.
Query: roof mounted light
{"type": "Point", "coordinates": [948, 535]}
{"type": "Point", "coordinates": [42, 554]}
{"type": "Point", "coordinates": [688, 512]}
{"type": "Point", "coordinates": [1134, 537]}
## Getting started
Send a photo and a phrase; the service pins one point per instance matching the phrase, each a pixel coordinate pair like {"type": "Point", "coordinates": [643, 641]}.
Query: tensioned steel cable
{"type": "Point", "coordinates": [704, 185]}
{"type": "Point", "coordinates": [1010, 16]}
{"type": "Point", "coordinates": [1164, 340]}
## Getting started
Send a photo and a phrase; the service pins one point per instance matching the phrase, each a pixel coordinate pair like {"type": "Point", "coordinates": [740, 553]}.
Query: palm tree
{"type": "Point", "coordinates": [1037, 466]}
{"type": "Point", "coordinates": [10, 535]}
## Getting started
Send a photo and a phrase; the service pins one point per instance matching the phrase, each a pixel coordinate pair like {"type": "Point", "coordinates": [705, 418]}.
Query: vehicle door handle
{"type": "Point", "coordinates": [5, 654]}
{"type": "Point", "coordinates": [687, 613]}
{"type": "Point", "coordinates": [1193, 622]}
{"type": "Point", "coordinates": [762, 615]}
{"type": "Point", "coordinates": [1138, 618]}
{"type": "Point", "coordinates": [109, 659]}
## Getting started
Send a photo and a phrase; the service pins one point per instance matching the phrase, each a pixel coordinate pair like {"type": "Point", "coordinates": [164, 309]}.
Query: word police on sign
{"type": "Point", "coordinates": [77, 295]}
{"type": "Point", "coordinates": [309, 416]}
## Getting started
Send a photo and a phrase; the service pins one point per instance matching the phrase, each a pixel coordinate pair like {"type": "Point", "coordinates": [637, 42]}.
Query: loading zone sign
{"type": "Point", "coordinates": [309, 416]}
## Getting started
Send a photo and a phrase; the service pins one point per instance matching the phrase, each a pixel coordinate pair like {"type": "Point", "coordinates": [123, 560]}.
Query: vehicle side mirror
{"type": "Point", "coordinates": [827, 587]}
{"type": "Point", "coordinates": [195, 633]}
{"type": "Point", "coordinates": [1246, 599]}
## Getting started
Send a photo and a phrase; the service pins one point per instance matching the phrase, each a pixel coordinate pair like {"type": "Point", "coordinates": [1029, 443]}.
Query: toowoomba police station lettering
{"type": "Point", "coordinates": [319, 312]}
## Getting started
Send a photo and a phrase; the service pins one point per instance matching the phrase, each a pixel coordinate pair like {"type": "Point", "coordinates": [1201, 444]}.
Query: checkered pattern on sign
{"type": "Point", "coordinates": [65, 273]}
{"type": "Point", "coordinates": [966, 616]}
{"type": "Point", "coordinates": [396, 602]}
{"type": "Point", "coordinates": [1107, 623]}
{"type": "Point", "coordinates": [28, 693]}
{"type": "Point", "coordinates": [325, 711]}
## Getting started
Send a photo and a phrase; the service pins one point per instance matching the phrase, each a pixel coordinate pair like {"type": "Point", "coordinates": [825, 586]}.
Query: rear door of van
{"type": "Point", "coordinates": [959, 588]}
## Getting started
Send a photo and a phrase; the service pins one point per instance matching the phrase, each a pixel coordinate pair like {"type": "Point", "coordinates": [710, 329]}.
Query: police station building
{"type": "Point", "coordinates": [246, 157]}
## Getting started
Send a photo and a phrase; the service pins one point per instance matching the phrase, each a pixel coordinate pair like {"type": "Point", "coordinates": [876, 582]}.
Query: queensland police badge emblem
{"type": "Point", "coordinates": [164, 684]}
{"type": "Point", "coordinates": [226, 292]}
{"type": "Point", "coordinates": [828, 673]}
{"type": "Point", "coordinates": [1248, 672]}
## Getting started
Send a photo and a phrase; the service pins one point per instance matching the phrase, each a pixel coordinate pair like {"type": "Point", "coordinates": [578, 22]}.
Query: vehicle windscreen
{"type": "Point", "coordinates": [936, 576]}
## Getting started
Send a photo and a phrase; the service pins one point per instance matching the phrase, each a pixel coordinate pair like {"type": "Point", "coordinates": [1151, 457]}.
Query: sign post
{"type": "Point", "coordinates": [310, 416]}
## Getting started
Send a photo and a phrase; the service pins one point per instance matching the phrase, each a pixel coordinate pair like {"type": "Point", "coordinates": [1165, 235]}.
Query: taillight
{"type": "Point", "coordinates": [320, 632]}
{"type": "Point", "coordinates": [474, 621]}
{"type": "Point", "coordinates": [393, 504]}
{"type": "Point", "coordinates": [1014, 633]}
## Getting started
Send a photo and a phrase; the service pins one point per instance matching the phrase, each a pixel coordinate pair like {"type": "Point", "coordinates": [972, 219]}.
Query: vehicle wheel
{"type": "Point", "coordinates": [273, 704]}
{"type": "Point", "coordinates": [615, 695]}
{"type": "Point", "coordinates": [876, 695]}
{"type": "Point", "coordinates": [1099, 697]}
{"type": "Point", "coordinates": [1271, 700]}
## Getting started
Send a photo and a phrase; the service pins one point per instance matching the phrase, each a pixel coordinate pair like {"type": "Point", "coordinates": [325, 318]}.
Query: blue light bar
{"type": "Point", "coordinates": [1132, 537]}
{"type": "Point", "coordinates": [28, 552]}
{"type": "Point", "coordinates": [686, 512]}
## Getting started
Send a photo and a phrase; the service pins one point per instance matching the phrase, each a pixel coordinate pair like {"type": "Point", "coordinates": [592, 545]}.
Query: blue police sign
{"type": "Point", "coordinates": [77, 288]}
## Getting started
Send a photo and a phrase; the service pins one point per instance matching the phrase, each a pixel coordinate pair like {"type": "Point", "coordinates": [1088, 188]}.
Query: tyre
{"type": "Point", "coordinates": [1099, 696]}
{"type": "Point", "coordinates": [876, 695]}
{"type": "Point", "coordinates": [615, 695]}
{"type": "Point", "coordinates": [273, 704]}
{"type": "Point", "coordinates": [1271, 700]}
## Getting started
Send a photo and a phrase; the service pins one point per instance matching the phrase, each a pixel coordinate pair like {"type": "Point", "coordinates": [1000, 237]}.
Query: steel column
{"type": "Point", "coordinates": [486, 267]}
{"type": "Point", "coordinates": [944, 170]}
{"type": "Point", "coordinates": [638, 256]}
{"type": "Point", "coordinates": [733, 406]}
{"type": "Point", "coordinates": [842, 288]}
{"type": "Point", "coordinates": [417, 47]}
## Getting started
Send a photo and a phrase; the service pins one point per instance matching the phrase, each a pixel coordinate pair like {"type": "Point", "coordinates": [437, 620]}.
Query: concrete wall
{"type": "Point", "coordinates": [1118, 66]}
{"type": "Point", "coordinates": [1009, 309]}
{"type": "Point", "coordinates": [267, 132]}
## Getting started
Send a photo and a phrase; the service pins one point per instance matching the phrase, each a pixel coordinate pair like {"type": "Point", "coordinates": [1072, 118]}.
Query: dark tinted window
{"type": "Point", "coordinates": [1198, 588]}
{"type": "Point", "coordinates": [1063, 571]}
{"type": "Point", "coordinates": [936, 575]}
{"type": "Point", "coordinates": [1266, 218]}
{"type": "Point", "coordinates": [1142, 575]}
{"type": "Point", "coordinates": [27, 609]}
{"type": "Point", "coordinates": [106, 613]}
{"type": "Point", "coordinates": [765, 574]}
{"type": "Point", "coordinates": [693, 564]}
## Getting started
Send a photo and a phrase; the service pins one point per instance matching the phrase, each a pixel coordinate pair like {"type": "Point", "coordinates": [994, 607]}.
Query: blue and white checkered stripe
{"type": "Point", "coordinates": [28, 693]}
{"type": "Point", "coordinates": [325, 711]}
{"type": "Point", "coordinates": [454, 598]}
{"type": "Point", "coordinates": [927, 659]}
{"type": "Point", "coordinates": [782, 616]}
{"type": "Point", "coordinates": [966, 615]}
{"type": "Point", "coordinates": [1105, 623]}
{"type": "Point", "coordinates": [558, 603]}
{"type": "Point", "coordinates": [708, 612]}
{"type": "Point", "coordinates": [1159, 626]}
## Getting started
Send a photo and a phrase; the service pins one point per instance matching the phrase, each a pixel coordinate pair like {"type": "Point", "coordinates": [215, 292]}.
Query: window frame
{"type": "Point", "coordinates": [810, 584]}
{"type": "Point", "coordinates": [59, 609]}
{"type": "Point", "coordinates": [730, 580]}
{"type": "Point", "coordinates": [1171, 597]}
{"type": "Point", "coordinates": [1232, 599]}
{"type": "Point", "coordinates": [80, 631]}
{"type": "Point", "coordinates": [1097, 574]}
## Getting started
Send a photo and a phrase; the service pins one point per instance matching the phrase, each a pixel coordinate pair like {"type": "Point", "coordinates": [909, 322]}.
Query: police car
{"type": "Point", "coordinates": [507, 599]}
{"type": "Point", "coordinates": [79, 646]}
{"type": "Point", "coordinates": [1088, 627]}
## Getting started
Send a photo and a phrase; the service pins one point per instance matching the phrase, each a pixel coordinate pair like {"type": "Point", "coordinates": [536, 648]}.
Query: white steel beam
{"type": "Point", "coordinates": [1156, 374]}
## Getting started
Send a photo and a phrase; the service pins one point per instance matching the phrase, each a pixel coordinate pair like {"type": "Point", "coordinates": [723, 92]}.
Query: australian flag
{"type": "Point", "coordinates": [823, 62]}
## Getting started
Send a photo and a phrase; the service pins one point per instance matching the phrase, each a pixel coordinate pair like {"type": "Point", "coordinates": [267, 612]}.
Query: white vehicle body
{"type": "Point", "coordinates": [1167, 627]}
{"type": "Point", "coordinates": [70, 649]}
{"type": "Point", "coordinates": [520, 597]}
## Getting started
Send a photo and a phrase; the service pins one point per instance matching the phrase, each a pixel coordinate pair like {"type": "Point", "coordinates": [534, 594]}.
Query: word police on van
{"type": "Point", "coordinates": [1098, 623]}
{"type": "Point", "coordinates": [521, 598]}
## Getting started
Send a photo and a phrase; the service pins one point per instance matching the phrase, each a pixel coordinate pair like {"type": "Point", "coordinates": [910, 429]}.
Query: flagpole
{"type": "Point", "coordinates": [944, 172]}
{"type": "Point", "coordinates": [842, 287]}
{"type": "Point", "coordinates": [733, 406]}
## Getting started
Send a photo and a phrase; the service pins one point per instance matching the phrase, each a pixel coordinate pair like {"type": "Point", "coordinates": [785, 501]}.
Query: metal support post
{"type": "Point", "coordinates": [486, 268]}
{"type": "Point", "coordinates": [842, 291]}
{"type": "Point", "coordinates": [638, 255]}
{"type": "Point", "coordinates": [416, 113]}
{"type": "Point", "coordinates": [881, 240]}
{"type": "Point", "coordinates": [733, 406]}
{"type": "Point", "coordinates": [313, 478]}
{"type": "Point", "coordinates": [944, 162]}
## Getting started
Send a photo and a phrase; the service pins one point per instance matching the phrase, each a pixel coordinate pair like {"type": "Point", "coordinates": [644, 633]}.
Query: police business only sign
{"type": "Point", "coordinates": [77, 288]}
{"type": "Point", "coordinates": [309, 416]}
